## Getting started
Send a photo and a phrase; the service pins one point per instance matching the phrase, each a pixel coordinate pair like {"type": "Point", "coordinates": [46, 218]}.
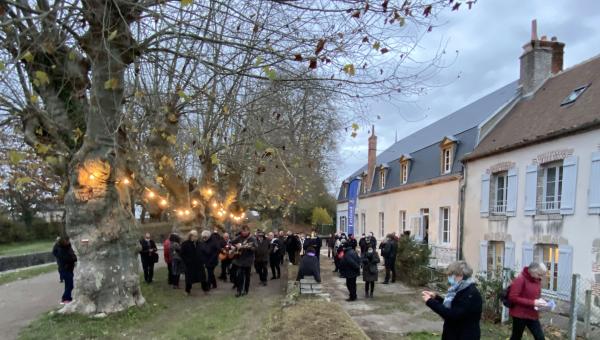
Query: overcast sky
{"type": "Point", "coordinates": [489, 39]}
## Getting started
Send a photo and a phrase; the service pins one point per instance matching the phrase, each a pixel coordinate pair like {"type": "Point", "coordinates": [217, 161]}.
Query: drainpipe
{"type": "Point", "coordinates": [461, 217]}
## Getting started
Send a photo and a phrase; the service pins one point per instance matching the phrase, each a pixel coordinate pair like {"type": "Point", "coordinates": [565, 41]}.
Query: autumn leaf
{"type": "Point", "coordinates": [51, 160]}
{"type": "Point", "coordinates": [27, 56]}
{"type": "Point", "coordinates": [376, 45]}
{"type": "Point", "coordinates": [41, 78]}
{"type": "Point", "coordinates": [111, 84]}
{"type": "Point", "coordinates": [258, 61]}
{"type": "Point", "coordinates": [185, 3]}
{"type": "Point", "coordinates": [356, 14]}
{"type": "Point", "coordinates": [349, 69]}
{"type": "Point", "coordinates": [139, 94]}
{"type": "Point", "coordinates": [33, 98]}
{"type": "Point", "coordinates": [77, 134]}
{"type": "Point", "coordinates": [72, 56]}
{"type": "Point", "coordinates": [159, 180]}
{"type": "Point", "coordinates": [320, 46]}
{"type": "Point", "coordinates": [2, 66]}
{"type": "Point", "coordinates": [270, 72]}
{"type": "Point", "coordinates": [355, 126]}
{"type": "Point", "coordinates": [15, 157]}
{"type": "Point", "coordinates": [214, 159]}
{"type": "Point", "coordinates": [112, 35]}
{"type": "Point", "coordinates": [172, 139]}
{"type": "Point", "coordinates": [22, 181]}
{"type": "Point", "coordinates": [42, 148]}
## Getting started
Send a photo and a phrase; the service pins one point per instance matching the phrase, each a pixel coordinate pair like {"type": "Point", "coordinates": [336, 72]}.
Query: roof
{"type": "Point", "coordinates": [423, 146]}
{"type": "Point", "coordinates": [541, 116]}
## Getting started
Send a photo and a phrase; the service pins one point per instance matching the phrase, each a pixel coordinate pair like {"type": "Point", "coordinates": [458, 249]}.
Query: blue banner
{"type": "Point", "coordinates": [352, 195]}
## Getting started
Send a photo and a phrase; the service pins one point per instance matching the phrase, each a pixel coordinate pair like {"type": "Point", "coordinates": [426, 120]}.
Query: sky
{"type": "Point", "coordinates": [489, 40]}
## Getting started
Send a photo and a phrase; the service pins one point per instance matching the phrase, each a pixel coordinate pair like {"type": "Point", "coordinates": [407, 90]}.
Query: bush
{"type": "Point", "coordinates": [491, 287]}
{"type": "Point", "coordinates": [17, 231]}
{"type": "Point", "coordinates": [412, 261]}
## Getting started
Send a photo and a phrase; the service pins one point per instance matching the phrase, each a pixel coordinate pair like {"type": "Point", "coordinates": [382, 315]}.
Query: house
{"type": "Point", "coordinates": [533, 181]}
{"type": "Point", "coordinates": [415, 184]}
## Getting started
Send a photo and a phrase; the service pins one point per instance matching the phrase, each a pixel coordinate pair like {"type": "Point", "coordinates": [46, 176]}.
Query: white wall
{"type": "Point", "coordinates": [579, 230]}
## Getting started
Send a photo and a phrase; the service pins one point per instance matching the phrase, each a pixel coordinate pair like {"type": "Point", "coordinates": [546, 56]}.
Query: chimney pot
{"type": "Point", "coordinates": [539, 60]}
{"type": "Point", "coordinates": [372, 158]}
{"type": "Point", "coordinates": [534, 29]}
{"type": "Point", "coordinates": [554, 38]}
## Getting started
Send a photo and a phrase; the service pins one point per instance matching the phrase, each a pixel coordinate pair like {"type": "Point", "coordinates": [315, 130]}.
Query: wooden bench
{"type": "Point", "coordinates": [308, 285]}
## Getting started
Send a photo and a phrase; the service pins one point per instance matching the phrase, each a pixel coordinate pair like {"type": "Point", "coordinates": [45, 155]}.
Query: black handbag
{"type": "Point", "coordinates": [154, 257]}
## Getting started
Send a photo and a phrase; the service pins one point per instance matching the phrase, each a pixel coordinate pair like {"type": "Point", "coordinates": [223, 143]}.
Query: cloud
{"type": "Point", "coordinates": [489, 40]}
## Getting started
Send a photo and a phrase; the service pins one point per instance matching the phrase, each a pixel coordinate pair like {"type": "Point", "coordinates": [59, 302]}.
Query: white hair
{"type": "Point", "coordinates": [205, 234]}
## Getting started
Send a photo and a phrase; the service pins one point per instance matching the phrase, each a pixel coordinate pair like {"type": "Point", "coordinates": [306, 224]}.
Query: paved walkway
{"type": "Point", "coordinates": [394, 311]}
{"type": "Point", "coordinates": [23, 301]}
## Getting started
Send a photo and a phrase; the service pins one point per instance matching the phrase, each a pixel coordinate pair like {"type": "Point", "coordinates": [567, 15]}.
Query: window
{"type": "Point", "coordinates": [552, 188]}
{"type": "Point", "coordinates": [574, 95]}
{"type": "Point", "coordinates": [446, 160]}
{"type": "Point", "coordinates": [404, 171]}
{"type": "Point", "coordinates": [495, 258]}
{"type": "Point", "coordinates": [364, 185]}
{"type": "Point", "coordinates": [381, 225]}
{"type": "Point", "coordinates": [381, 178]}
{"type": "Point", "coordinates": [500, 185]}
{"type": "Point", "coordinates": [425, 225]}
{"type": "Point", "coordinates": [345, 191]}
{"type": "Point", "coordinates": [445, 224]}
{"type": "Point", "coordinates": [363, 221]}
{"type": "Point", "coordinates": [402, 226]}
{"type": "Point", "coordinates": [548, 254]}
{"type": "Point", "coordinates": [343, 223]}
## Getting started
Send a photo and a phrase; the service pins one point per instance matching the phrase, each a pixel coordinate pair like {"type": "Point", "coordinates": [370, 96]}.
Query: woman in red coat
{"type": "Point", "coordinates": [524, 295]}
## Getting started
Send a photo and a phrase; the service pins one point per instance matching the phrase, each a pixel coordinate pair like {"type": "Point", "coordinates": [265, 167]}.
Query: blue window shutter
{"type": "Point", "coordinates": [484, 208]}
{"type": "Point", "coordinates": [594, 190]}
{"type": "Point", "coordinates": [483, 251]}
{"type": "Point", "coordinates": [527, 254]}
{"type": "Point", "coordinates": [530, 189]}
{"type": "Point", "coordinates": [565, 269]}
{"type": "Point", "coordinates": [509, 255]}
{"type": "Point", "coordinates": [511, 193]}
{"type": "Point", "coordinates": [569, 186]}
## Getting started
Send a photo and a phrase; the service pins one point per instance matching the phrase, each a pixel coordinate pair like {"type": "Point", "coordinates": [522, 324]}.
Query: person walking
{"type": "Point", "coordinates": [176, 262]}
{"type": "Point", "coordinates": [225, 257]}
{"type": "Point", "coordinates": [205, 255]}
{"type": "Point", "coordinates": [309, 265]}
{"type": "Point", "coordinates": [350, 269]}
{"type": "Point", "coordinates": [55, 253]}
{"type": "Point", "coordinates": [291, 246]}
{"type": "Point", "coordinates": [370, 259]}
{"type": "Point", "coordinates": [66, 259]}
{"type": "Point", "coordinates": [330, 245]}
{"type": "Point", "coordinates": [261, 258]}
{"type": "Point", "coordinates": [275, 254]}
{"type": "Point", "coordinates": [461, 307]}
{"type": "Point", "coordinates": [149, 256]}
{"type": "Point", "coordinates": [282, 250]}
{"type": "Point", "coordinates": [245, 245]}
{"type": "Point", "coordinates": [213, 248]}
{"type": "Point", "coordinates": [192, 259]}
{"type": "Point", "coordinates": [524, 295]}
{"type": "Point", "coordinates": [168, 260]}
{"type": "Point", "coordinates": [389, 251]}
{"type": "Point", "coordinates": [362, 244]}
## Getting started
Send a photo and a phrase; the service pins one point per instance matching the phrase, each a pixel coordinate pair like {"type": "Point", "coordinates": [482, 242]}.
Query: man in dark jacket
{"type": "Point", "coordinates": [192, 259]}
{"type": "Point", "coordinates": [148, 255]}
{"type": "Point", "coordinates": [245, 246]}
{"type": "Point", "coordinates": [461, 307]}
{"type": "Point", "coordinates": [275, 254]}
{"type": "Point", "coordinates": [55, 253]}
{"type": "Point", "coordinates": [362, 244]}
{"type": "Point", "coordinates": [309, 265]}
{"type": "Point", "coordinates": [389, 251]}
{"type": "Point", "coordinates": [65, 257]}
{"type": "Point", "coordinates": [352, 241]}
{"type": "Point", "coordinates": [350, 269]}
{"type": "Point", "coordinates": [211, 250]}
{"type": "Point", "coordinates": [330, 245]}
{"type": "Point", "coordinates": [281, 238]}
{"type": "Point", "coordinates": [261, 258]}
{"type": "Point", "coordinates": [292, 246]}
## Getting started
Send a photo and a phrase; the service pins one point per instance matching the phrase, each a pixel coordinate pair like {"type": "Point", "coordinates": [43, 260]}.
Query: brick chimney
{"type": "Point", "coordinates": [372, 157]}
{"type": "Point", "coordinates": [540, 59]}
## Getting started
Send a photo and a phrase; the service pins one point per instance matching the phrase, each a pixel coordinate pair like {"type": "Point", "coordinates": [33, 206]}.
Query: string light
{"type": "Point", "coordinates": [163, 202]}
{"type": "Point", "coordinates": [126, 181]}
{"type": "Point", "coordinates": [92, 177]}
{"type": "Point", "coordinates": [194, 203]}
{"type": "Point", "coordinates": [214, 204]}
{"type": "Point", "coordinates": [151, 194]}
{"type": "Point", "coordinates": [187, 212]}
{"type": "Point", "coordinates": [180, 213]}
{"type": "Point", "coordinates": [209, 192]}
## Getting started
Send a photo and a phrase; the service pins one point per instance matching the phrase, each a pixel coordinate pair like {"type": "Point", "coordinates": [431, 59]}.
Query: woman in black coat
{"type": "Point", "coordinates": [192, 259]}
{"type": "Point", "coordinates": [461, 307]}
{"type": "Point", "coordinates": [350, 269]}
{"type": "Point", "coordinates": [370, 259]}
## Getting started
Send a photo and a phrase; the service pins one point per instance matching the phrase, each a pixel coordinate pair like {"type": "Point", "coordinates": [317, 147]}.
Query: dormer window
{"type": "Point", "coordinates": [404, 168]}
{"type": "Point", "coordinates": [447, 146]}
{"type": "Point", "coordinates": [572, 97]}
{"type": "Point", "coordinates": [345, 190]}
{"type": "Point", "coordinates": [364, 184]}
{"type": "Point", "coordinates": [382, 178]}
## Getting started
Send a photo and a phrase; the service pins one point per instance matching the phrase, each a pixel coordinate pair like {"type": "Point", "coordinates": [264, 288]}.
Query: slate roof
{"type": "Point", "coordinates": [423, 145]}
{"type": "Point", "coordinates": [542, 117]}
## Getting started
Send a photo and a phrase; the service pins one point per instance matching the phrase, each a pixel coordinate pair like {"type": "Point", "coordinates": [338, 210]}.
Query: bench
{"type": "Point", "coordinates": [308, 285]}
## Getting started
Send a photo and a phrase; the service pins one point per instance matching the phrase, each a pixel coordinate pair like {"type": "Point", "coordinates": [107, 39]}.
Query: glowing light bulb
{"type": "Point", "coordinates": [187, 212]}
{"type": "Point", "coordinates": [163, 202]}
{"type": "Point", "coordinates": [151, 194]}
{"type": "Point", "coordinates": [180, 213]}
{"type": "Point", "coordinates": [214, 204]}
{"type": "Point", "coordinates": [92, 177]}
{"type": "Point", "coordinates": [126, 181]}
{"type": "Point", "coordinates": [209, 191]}
{"type": "Point", "coordinates": [194, 203]}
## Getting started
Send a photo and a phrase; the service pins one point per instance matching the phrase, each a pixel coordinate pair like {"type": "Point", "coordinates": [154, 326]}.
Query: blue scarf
{"type": "Point", "coordinates": [457, 287]}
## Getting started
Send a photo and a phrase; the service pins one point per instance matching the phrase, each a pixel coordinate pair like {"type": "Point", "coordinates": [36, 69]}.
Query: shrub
{"type": "Point", "coordinates": [411, 262]}
{"type": "Point", "coordinates": [491, 287]}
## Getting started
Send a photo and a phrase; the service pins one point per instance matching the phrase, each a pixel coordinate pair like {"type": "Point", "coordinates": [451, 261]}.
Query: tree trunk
{"type": "Point", "coordinates": [98, 209]}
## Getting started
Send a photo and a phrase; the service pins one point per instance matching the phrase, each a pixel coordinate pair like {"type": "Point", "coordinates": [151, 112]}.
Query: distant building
{"type": "Point", "coordinates": [533, 182]}
{"type": "Point", "coordinates": [415, 185]}
{"type": "Point", "coordinates": [51, 212]}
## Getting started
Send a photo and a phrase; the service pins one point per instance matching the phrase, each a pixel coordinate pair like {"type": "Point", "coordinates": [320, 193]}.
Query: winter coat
{"type": "Point", "coordinates": [309, 266]}
{"type": "Point", "coordinates": [66, 258]}
{"type": "Point", "coordinates": [390, 249]}
{"type": "Point", "coordinates": [175, 255]}
{"type": "Point", "coordinates": [148, 248]}
{"type": "Point", "coordinates": [275, 250]}
{"type": "Point", "coordinates": [213, 247]}
{"type": "Point", "coordinates": [524, 290]}
{"type": "Point", "coordinates": [292, 243]}
{"type": "Point", "coordinates": [369, 264]}
{"type": "Point", "coordinates": [461, 320]}
{"type": "Point", "coordinates": [350, 264]}
{"type": "Point", "coordinates": [282, 244]}
{"type": "Point", "coordinates": [167, 251]}
{"type": "Point", "coordinates": [246, 256]}
{"type": "Point", "coordinates": [362, 244]}
{"type": "Point", "coordinates": [262, 250]}
{"type": "Point", "coordinates": [331, 242]}
{"type": "Point", "coordinates": [192, 259]}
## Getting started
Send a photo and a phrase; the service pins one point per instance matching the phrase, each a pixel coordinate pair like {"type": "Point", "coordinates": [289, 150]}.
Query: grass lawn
{"type": "Point", "coordinates": [26, 273]}
{"type": "Point", "coordinates": [21, 248]}
{"type": "Point", "coordinates": [169, 314]}
{"type": "Point", "coordinates": [493, 331]}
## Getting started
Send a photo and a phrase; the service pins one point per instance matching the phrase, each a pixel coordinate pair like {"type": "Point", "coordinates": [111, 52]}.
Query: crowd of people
{"type": "Point", "coordinates": [199, 255]}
